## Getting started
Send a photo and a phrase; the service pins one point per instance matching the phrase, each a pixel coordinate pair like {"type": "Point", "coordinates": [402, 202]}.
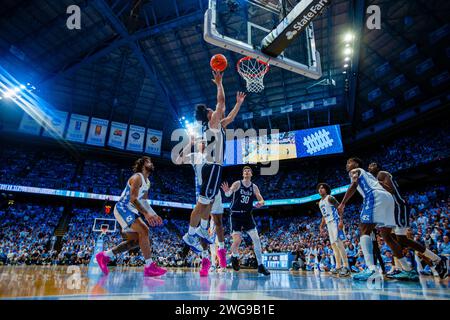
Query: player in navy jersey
{"type": "Point", "coordinates": [333, 220]}
{"type": "Point", "coordinates": [244, 193]}
{"type": "Point", "coordinates": [213, 124]}
{"type": "Point", "coordinates": [377, 212]}
{"type": "Point", "coordinates": [129, 211]}
{"type": "Point", "coordinates": [402, 219]}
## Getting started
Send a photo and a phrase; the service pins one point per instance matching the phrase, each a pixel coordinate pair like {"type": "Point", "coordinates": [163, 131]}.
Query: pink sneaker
{"type": "Point", "coordinates": [102, 260]}
{"type": "Point", "coordinates": [153, 270]}
{"type": "Point", "coordinates": [222, 254]}
{"type": "Point", "coordinates": [205, 267]}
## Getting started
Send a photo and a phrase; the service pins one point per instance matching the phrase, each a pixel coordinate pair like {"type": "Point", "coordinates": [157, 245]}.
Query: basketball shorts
{"type": "Point", "coordinates": [334, 232]}
{"type": "Point", "coordinates": [125, 215]}
{"type": "Point", "coordinates": [241, 222]}
{"type": "Point", "coordinates": [217, 207]}
{"type": "Point", "coordinates": [211, 179]}
{"type": "Point", "coordinates": [378, 208]}
{"type": "Point", "coordinates": [401, 215]}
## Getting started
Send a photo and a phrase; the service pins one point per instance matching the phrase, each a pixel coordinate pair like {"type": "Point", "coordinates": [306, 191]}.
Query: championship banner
{"type": "Point", "coordinates": [97, 132]}
{"type": "Point", "coordinates": [29, 125]}
{"type": "Point", "coordinates": [57, 119]}
{"type": "Point", "coordinates": [117, 135]}
{"type": "Point", "coordinates": [76, 131]}
{"type": "Point", "coordinates": [153, 144]}
{"type": "Point", "coordinates": [136, 137]}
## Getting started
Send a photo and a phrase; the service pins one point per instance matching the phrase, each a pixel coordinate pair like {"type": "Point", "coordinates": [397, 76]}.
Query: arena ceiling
{"type": "Point", "coordinates": [152, 70]}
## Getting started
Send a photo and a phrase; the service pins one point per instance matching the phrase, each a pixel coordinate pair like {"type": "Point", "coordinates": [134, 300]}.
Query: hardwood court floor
{"type": "Point", "coordinates": [63, 282]}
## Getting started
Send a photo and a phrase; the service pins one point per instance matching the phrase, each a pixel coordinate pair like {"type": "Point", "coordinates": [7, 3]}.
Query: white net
{"type": "Point", "coordinates": [253, 71]}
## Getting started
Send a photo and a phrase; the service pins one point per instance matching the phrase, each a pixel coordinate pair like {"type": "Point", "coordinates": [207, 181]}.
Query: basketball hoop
{"type": "Point", "coordinates": [253, 71]}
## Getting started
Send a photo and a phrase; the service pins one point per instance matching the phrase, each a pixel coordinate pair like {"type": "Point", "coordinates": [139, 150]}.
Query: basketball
{"type": "Point", "coordinates": [218, 62]}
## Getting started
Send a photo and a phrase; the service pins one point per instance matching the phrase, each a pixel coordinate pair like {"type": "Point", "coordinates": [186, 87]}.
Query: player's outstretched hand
{"type": "Point", "coordinates": [240, 97]}
{"type": "Point", "coordinates": [217, 77]}
{"type": "Point", "coordinates": [259, 205]}
{"type": "Point", "coordinates": [154, 220]}
{"type": "Point", "coordinates": [341, 225]}
{"type": "Point", "coordinates": [225, 187]}
{"type": "Point", "coordinates": [341, 208]}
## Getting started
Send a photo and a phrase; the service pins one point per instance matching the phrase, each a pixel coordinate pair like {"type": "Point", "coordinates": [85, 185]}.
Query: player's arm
{"type": "Point", "coordinates": [258, 196]}
{"type": "Point", "coordinates": [220, 106]}
{"type": "Point", "coordinates": [142, 206]}
{"type": "Point", "coordinates": [385, 180]}
{"type": "Point", "coordinates": [322, 224]}
{"type": "Point", "coordinates": [240, 96]}
{"type": "Point", "coordinates": [333, 201]}
{"type": "Point", "coordinates": [185, 155]}
{"type": "Point", "coordinates": [354, 174]}
{"type": "Point", "coordinates": [230, 190]}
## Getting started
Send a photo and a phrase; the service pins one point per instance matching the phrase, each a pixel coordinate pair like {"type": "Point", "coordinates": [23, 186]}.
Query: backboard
{"type": "Point", "coordinates": [241, 25]}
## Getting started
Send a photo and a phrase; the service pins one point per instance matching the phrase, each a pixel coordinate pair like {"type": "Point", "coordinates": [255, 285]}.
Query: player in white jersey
{"type": "Point", "coordinates": [128, 211]}
{"type": "Point", "coordinates": [197, 160]}
{"type": "Point", "coordinates": [402, 219]}
{"type": "Point", "coordinates": [377, 212]}
{"type": "Point", "coordinates": [328, 207]}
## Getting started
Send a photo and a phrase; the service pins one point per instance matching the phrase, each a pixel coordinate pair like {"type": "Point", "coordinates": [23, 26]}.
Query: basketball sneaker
{"type": "Point", "coordinates": [364, 275]}
{"type": "Point", "coordinates": [235, 263]}
{"type": "Point", "coordinates": [204, 234]}
{"type": "Point", "coordinates": [153, 270]}
{"type": "Point", "coordinates": [406, 275]}
{"type": "Point", "coordinates": [441, 268]}
{"type": "Point", "coordinates": [206, 264]}
{"type": "Point", "coordinates": [102, 260]}
{"type": "Point", "coordinates": [193, 242]}
{"type": "Point", "coordinates": [263, 270]}
{"type": "Point", "coordinates": [335, 271]}
{"type": "Point", "coordinates": [344, 272]}
{"type": "Point", "coordinates": [392, 273]}
{"type": "Point", "coordinates": [222, 254]}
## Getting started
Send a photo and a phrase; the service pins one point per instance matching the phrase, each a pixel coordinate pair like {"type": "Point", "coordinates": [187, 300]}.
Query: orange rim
{"type": "Point", "coordinates": [263, 72]}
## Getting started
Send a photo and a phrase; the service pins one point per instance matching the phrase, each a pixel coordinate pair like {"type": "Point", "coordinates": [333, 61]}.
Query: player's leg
{"type": "Point", "coordinates": [332, 228]}
{"type": "Point", "coordinates": [437, 262]}
{"type": "Point", "coordinates": [206, 262]}
{"type": "Point", "coordinates": [131, 241]}
{"type": "Point", "coordinates": [253, 233]}
{"type": "Point", "coordinates": [217, 215]}
{"type": "Point", "coordinates": [237, 239]}
{"type": "Point", "coordinates": [367, 249]}
{"type": "Point", "coordinates": [150, 269]}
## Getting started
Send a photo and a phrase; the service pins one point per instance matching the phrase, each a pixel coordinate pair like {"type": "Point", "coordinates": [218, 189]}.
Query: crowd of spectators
{"type": "Point", "coordinates": [26, 233]}
{"type": "Point", "coordinates": [57, 169]}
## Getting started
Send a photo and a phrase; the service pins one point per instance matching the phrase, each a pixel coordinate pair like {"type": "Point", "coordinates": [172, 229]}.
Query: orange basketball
{"type": "Point", "coordinates": [218, 62]}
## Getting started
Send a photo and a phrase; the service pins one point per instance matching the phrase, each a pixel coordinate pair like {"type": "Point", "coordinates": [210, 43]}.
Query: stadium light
{"type": "Point", "coordinates": [348, 51]}
{"type": "Point", "coordinates": [346, 65]}
{"type": "Point", "coordinates": [348, 37]}
{"type": "Point", "coordinates": [22, 86]}
{"type": "Point", "coordinates": [347, 59]}
{"type": "Point", "coordinates": [344, 72]}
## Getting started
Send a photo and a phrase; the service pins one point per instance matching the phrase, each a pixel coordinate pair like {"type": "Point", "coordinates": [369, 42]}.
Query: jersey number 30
{"type": "Point", "coordinates": [245, 199]}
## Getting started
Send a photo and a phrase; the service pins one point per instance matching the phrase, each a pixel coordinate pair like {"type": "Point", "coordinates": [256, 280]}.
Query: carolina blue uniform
{"type": "Point", "coordinates": [124, 211]}
{"type": "Point", "coordinates": [331, 216]}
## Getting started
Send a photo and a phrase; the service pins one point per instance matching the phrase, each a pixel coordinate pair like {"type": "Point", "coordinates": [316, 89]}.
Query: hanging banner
{"type": "Point", "coordinates": [76, 131]}
{"type": "Point", "coordinates": [57, 120]}
{"type": "Point", "coordinates": [136, 136]}
{"type": "Point", "coordinates": [117, 135]}
{"type": "Point", "coordinates": [153, 144]}
{"type": "Point", "coordinates": [97, 132]}
{"type": "Point", "coordinates": [29, 125]}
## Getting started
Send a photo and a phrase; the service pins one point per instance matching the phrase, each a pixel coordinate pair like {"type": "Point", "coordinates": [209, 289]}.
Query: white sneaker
{"type": "Point", "coordinates": [204, 234]}
{"type": "Point", "coordinates": [193, 242]}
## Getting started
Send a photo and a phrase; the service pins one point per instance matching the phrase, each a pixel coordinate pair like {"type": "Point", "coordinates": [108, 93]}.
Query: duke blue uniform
{"type": "Point", "coordinates": [212, 169]}
{"type": "Point", "coordinates": [124, 211]}
{"type": "Point", "coordinates": [331, 216]}
{"type": "Point", "coordinates": [378, 205]}
{"type": "Point", "coordinates": [241, 218]}
{"type": "Point", "coordinates": [401, 209]}
{"type": "Point", "coordinates": [198, 162]}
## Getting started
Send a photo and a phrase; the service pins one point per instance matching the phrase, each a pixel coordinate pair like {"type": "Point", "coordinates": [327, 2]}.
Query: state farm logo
{"type": "Point", "coordinates": [314, 11]}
